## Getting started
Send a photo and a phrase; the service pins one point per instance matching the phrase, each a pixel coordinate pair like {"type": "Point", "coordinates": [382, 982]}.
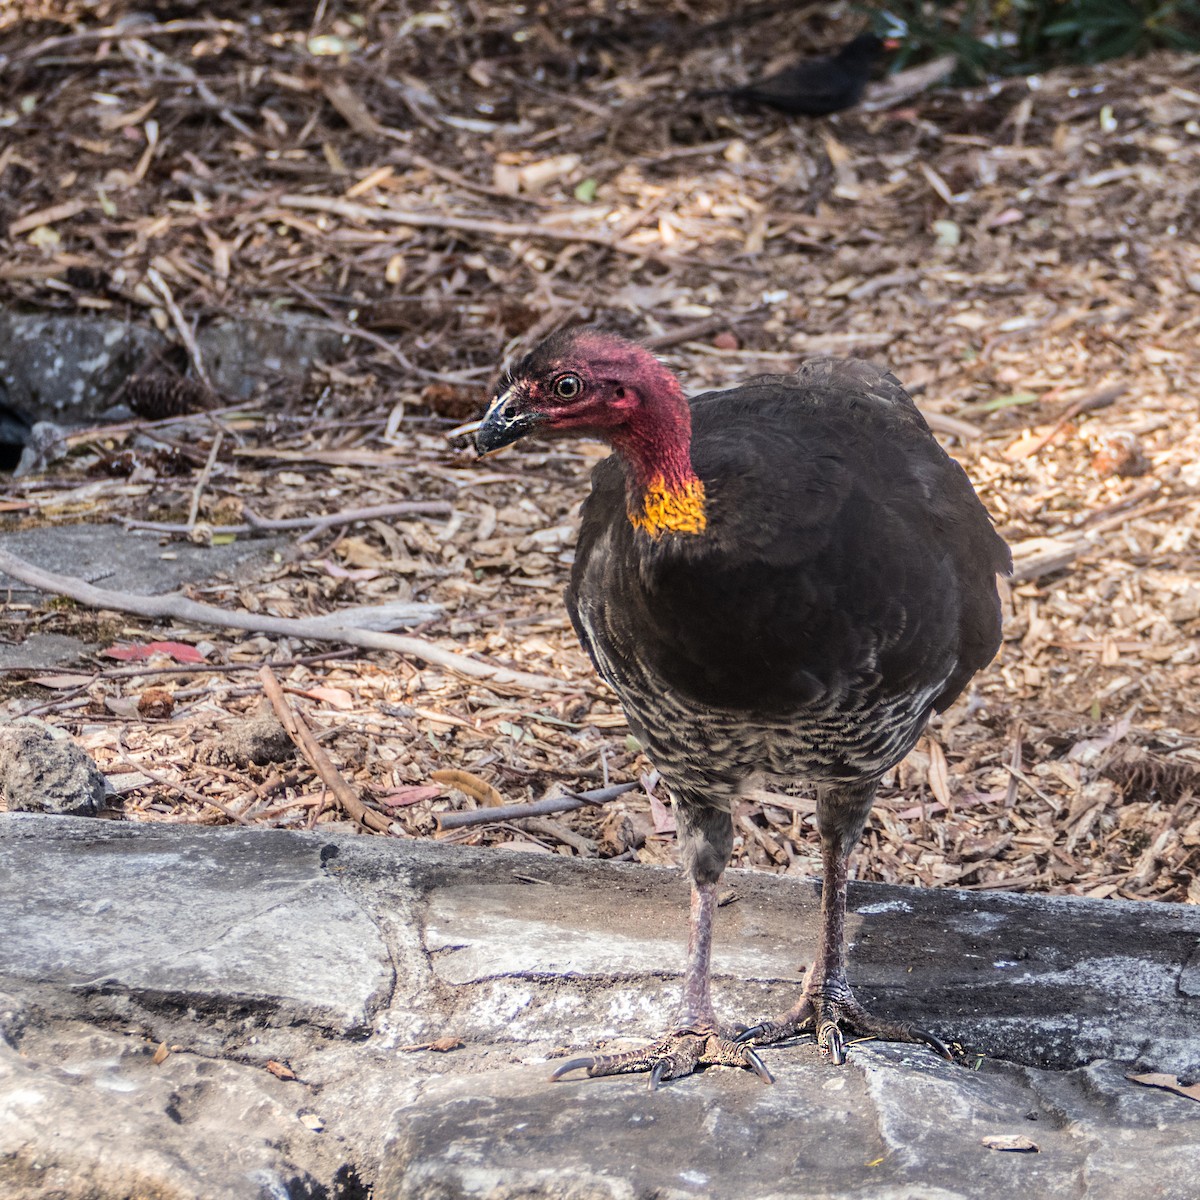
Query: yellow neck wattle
{"type": "Point", "coordinates": [671, 508]}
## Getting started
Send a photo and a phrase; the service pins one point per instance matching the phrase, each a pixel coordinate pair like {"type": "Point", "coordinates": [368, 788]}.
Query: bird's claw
{"type": "Point", "coordinates": [829, 1038]}
{"type": "Point", "coordinates": [672, 1057]}
{"type": "Point", "coordinates": [827, 1017]}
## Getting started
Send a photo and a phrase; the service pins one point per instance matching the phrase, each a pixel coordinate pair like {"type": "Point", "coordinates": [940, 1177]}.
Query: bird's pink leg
{"type": "Point", "coordinates": [695, 1039]}
{"type": "Point", "coordinates": [826, 1000]}
{"type": "Point", "coordinates": [696, 1009]}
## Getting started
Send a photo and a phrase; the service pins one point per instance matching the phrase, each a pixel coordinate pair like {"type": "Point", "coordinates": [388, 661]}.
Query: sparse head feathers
{"type": "Point", "coordinates": [604, 356]}
{"type": "Point", "coordinates": [600, 385]}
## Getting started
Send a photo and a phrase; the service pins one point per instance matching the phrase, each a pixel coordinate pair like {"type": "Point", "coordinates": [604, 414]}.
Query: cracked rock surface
{"type": "Point", "coordinates": [196, 1013]}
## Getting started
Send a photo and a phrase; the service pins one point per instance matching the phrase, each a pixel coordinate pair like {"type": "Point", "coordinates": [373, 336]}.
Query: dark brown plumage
{"type": "Point", "coordinates": [785, 578]}
{"type": "Point", "coordinates": [817, 87]}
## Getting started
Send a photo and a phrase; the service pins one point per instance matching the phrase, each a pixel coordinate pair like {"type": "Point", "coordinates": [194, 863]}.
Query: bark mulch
{"type": "Point", "coordinates": [444, 185]}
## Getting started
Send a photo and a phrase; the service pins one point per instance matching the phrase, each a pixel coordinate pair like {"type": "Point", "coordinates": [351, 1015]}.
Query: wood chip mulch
{"type": "Point", "coordinates": [442, 185]}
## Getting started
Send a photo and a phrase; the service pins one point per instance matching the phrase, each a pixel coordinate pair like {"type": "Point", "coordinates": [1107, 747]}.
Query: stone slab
{"type": "Point", "coordinates": [85, 1112]}
{"type": "Point", "coordinates": [893, 1124]}
{"type": "Point", "coordinates": [1044, 980]}
{"type": "Point", "coordinates": [126, 560]}
{"type": "Point", "coordinates": [341, 956]}
{"type": "Point", "coordinates": [229, 925]}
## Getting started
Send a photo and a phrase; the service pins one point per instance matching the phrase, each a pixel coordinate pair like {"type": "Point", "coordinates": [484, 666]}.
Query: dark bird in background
{"type": "Point", "coordinates": [786, 578]}
{"type": "Point", "coordinates": [817, 86]}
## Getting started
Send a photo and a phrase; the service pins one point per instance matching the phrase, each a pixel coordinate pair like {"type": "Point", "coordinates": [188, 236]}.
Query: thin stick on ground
{"type": "Point", "coordinates": [540, 808]}
{"type": "Point", "coordinates": [202, 482]}
{"type": "Point", "coordinates": [173, 606]}
{"type": "Point", "coordinates": [348, 330]}
{"type": "Point", "coordinates": [487, 228]}
{"type": "Point", "coordinates": [263, 525]}
{"type": "Point", "coordinates": [181, 326]}
{"type": "Point", "coordinates": [87, 677]}
{"type": "Point", "coordinates": [119, 33]}
{"type": "Point", "coordinates": [190, 792]}
{"type": "Point", "coordinates": [308, 745]}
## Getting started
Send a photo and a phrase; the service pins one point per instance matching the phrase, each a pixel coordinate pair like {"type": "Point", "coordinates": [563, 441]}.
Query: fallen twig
{"type": "Point", "coordinates": [904, 85]}
{"type": "Point", "coordinates": [470, 785]}
{"type": "Point", "coordinates": [256, 524]}
{"type": "Point", "coordinates": [182, 788]}
{"type": "Point", "coordinates": [688, 333]}
{"type": "Point", "coordinates": [181, 326]}
{"type": "Point", "coordinates": [202, 481]}
{"type": "Point", "coordinates": [139, 425]}
{"type": "Point", "coordinates": [308, 745]}
{"type": "Point", "coordinates": [951, 426]}
{"type": "Point", "coordinates": [179, 608]}
{"type": "Point", "coordinates": [1020, 450]}
{"type": "Point", "coordinates": [540, 808]}
{"type": "Point", "coordinates": [347, 329]}
{"type": "Point", "coordinates": [402, 216]}
{"type": "Point", "coordinates": [119, 33]}
{"type": "Point", "coordinates": [89, 677]}
{"type": "Point", "coordinates": [1037, 557]}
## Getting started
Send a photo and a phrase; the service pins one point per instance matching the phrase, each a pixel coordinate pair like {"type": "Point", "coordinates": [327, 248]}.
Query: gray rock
{"type": "Point", "coordinates": [244, 950]}
{"type": "Point", "coordinates": [45, 443]}
{"type": "Point", "coordinates": [240, 355]}
{"type": "Point", "coordinates": [131, 1127]}
{"type": "Point", "coordinates": [248, 930]}
{"type": "Point", "coordinates": [40, 651]}
{"type": "Point", "coordinates": [126, 560]}
{"type": "Point", "coordinates": [893, 1124]}
{"type": "Point", "coordinates": [43, 771]}
{"type": "Point", "coordinates": [69, 368]}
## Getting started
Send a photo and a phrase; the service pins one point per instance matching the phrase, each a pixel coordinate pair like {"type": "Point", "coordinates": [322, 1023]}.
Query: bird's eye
{"type": "Point", "coordinates": [568, 387]}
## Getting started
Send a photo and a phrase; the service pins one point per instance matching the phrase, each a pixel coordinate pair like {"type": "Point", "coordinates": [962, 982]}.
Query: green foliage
{"type": "Point", "coordinates": [1010, 37]}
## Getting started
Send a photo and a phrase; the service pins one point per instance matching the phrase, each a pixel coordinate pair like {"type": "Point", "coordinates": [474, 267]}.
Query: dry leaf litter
{"type": "Point", "coordinates": [442, 186]}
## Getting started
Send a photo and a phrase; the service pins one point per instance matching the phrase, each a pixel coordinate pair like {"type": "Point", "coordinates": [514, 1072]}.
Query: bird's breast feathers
{"type": "Point", "coordinates": [670, 508]}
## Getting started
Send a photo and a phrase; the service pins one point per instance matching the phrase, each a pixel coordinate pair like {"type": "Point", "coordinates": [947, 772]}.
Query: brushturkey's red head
{"type": "Point", "coordinates": [586, 382]}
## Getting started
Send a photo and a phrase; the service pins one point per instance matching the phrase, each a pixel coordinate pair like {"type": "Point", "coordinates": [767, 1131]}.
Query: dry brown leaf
{"type": "Point", "coordinates": [470, 785]}
{"type": "Point", "coordinates": [61, 682]}
{"type": "Point", "coordinates": [335, 697]}
{"type": "Point", "coordinates": [402, 797]}
{"type": "Point", "coordinates": [939, 775]}
{"type": "Point", "coordinates": [280, 1070]}
{"type": "Point", "coordinates": [664, 817]}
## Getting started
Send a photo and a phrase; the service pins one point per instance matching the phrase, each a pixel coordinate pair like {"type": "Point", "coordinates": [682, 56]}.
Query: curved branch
{"type": "Point", "coordinates": [179, 608]}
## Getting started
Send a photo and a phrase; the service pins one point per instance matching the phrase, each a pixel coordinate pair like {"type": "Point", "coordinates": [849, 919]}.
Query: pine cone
{"type": "Point", "coordinates": [157, 397]}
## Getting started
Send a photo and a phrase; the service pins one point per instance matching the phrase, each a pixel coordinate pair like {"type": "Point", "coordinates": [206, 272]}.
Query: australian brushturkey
{"type": "Point", "coordinates": [816, 87]}
{"type": "Point", "coordinates": [786, 578]}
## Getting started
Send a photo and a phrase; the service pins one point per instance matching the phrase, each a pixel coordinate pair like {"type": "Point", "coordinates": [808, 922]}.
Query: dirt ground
{"type": "Point", "coordinates": [445, 185]}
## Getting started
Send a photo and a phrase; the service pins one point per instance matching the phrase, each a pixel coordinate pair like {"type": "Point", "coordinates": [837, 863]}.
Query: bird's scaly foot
{"type": "Point", "coordinates": [673, 1056]}
{"type": "Point", "coordinates": [822, 1015]}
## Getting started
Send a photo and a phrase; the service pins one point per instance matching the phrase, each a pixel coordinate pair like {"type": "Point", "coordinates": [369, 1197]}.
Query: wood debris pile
{"type": "Point", "coordinates": [442, 185]}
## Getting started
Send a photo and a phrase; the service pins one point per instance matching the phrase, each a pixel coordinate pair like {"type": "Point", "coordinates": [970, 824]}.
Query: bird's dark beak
{"type": "Point", "coordinates": [506, 420]}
